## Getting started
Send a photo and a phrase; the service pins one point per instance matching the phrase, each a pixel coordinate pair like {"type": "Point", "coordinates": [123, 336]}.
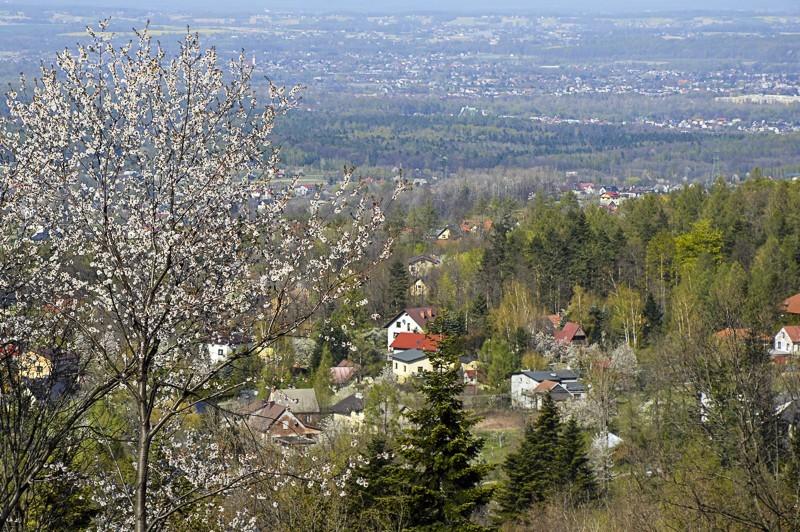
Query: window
{"type": "Point", "coordinates": [285, 425]}
{"type": "Point", "coordinates": [419, 369]}
{"type": "Point", "coordinates": [395, 365]}
{"type": "Point", "coordinates": [398, 325]}
{"type": "Point", "coordinates": [220, 352]}
{"type": "Point", "coordinates": [405, 368]}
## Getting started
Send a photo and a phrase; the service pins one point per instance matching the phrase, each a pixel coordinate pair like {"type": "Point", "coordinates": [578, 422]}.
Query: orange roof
{"type": "Point", "coordinates": [555, 319]}
{"type": "Point", "coordinates": [545, 386]}
{"type": "Point", "coordinates": [736, 333]}
{"type": "Point", "coordinates": [424, 342]}
{"type": "Point", "coordinates": [468, 225]}
{"type": "Point", "coordinates": [794, 333]}
{"type": "Point", "coordinates": [791, 305]}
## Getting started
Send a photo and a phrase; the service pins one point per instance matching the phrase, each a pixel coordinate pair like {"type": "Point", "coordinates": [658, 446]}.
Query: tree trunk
{"type": "Point", "coordinates": [142, 458]}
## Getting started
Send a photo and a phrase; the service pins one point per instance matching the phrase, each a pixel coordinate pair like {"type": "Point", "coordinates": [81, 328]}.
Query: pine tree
{"type": "Point", "coordinates": [440, 477]}
{"type": "Point", "coordinates": [574, 469]}
{"type": "Point", "coordinates": [532, 470]}
{"type": "Point", "coordinates": [398, 286]}
{"type": "Point", "coordinates": [551, 459]}
{"type": "Point", "coordinates": [652, 317]}
{"type": "Point", "coordinates": [322, 377]}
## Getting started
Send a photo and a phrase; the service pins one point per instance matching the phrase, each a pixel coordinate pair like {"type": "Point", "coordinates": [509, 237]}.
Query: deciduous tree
{"type": "Point", "coordinates": [153, 177]}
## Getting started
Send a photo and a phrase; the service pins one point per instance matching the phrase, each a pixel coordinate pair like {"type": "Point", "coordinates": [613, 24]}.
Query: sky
{"type": "Point", "coordinates": [384, 6]}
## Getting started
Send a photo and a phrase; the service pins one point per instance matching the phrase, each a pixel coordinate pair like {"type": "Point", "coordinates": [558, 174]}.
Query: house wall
{"type": "Point", "coordinates": [784, 343]}
{"type": "Point", "coordinates": [421, 267]}
{"type": "Point", "coordinates": [403, 323]}
{"type": "Point", "coordinates": [522, 383]}
{"type": "Point", "coordinates": [355, 419]}
{"type": "Point", "coordinates": [404, 372]}
{"type": "Point", "coordinates": [219, 352]}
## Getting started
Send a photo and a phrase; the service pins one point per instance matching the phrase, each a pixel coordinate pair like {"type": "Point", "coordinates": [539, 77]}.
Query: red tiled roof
{"type": "Point", "coordinates": [791, 305]}
{"type": "Point", "coordinates": [736, 333]}
{"type": "Point", "coordinates": [424, 342]}
{"type": "Point", "coordinates": [342, 374]}
{"type": "Point", "coordinates": [794, 333]}
{"type": "Point", "coordinates": [568, 333]}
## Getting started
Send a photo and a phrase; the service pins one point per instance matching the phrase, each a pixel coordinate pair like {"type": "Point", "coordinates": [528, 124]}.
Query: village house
{"type": "Point", "coordinates": [349, 411]}
{"type": "Point", "coordinates": [278, 423]}
{"type": "Point", "coordinates": [419, 288]}
{"type": "Point", "coordinates": [787, 341]}
{"type": "Point", "coordinates": [421, 265]}
{"type": "Point", "coordinates": [570, 334]}
{"type": "Point", "coordinates": [469, 370]}
{"type": "Point", "coordinates": [410, 320]}
{"type": "Point", "coordinates": [302, 402]}
{"type": "Point", "coordinates": [443, 234]}
{"type": "Point", "coordinates": [305, 190]}
{"type": "Point", "coordinates": [528, 388]}
{"type": "Point", "coordinates": [791, 305]}
{"type": "Point", "coordinates": [477, 226]}
{"type": "Point", "coordinates": [344, 372]}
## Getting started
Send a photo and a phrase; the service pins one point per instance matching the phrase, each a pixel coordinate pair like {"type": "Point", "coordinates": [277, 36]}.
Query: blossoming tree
{"type": "Point", "coordinates": [154, 179]}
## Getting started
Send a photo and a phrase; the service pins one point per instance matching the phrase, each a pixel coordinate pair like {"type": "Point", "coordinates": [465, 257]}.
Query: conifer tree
{"type": "Point", "coordinates": [440, 477]}
{"type": "Point", "coordinates": [399, 282]}
{"type": "Point", "coordinates": [552, 458]}
{"type": "Point", "coordinates": [532, 470]}
{"type": "Point", "coordinates": [574, 469]}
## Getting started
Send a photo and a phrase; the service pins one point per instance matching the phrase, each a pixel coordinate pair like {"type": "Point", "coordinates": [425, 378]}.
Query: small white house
{"type": "Point", "coordinates": [788, 340]}
{"type": "Point", "coordinates": [410, 320]}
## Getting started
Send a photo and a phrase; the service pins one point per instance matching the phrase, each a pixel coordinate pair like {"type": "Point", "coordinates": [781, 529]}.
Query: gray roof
{"type": "Point", "coordinates": [298, 400]}
{"type": "Point", "coordinates": [554, 375]}
{"type": "Point", "coordinates": [575, 387]}
{"type": "Point", "coordinates": [558, 393]}
{"type": "Point", "coordinates": [349, 404]}
{"type": "Point", "coordinates": [409, 355]}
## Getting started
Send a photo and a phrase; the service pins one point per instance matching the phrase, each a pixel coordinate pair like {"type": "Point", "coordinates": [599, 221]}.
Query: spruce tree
{"type": "Point", "coordinates": [399, 282]}
{"type": "Point", "coordinates": [370, 492]}
{"type": "Point", "coordinates": [551, 459]}
{"type": "Point", "coordinates": [574, 469]}
{"type": "Point", "coordinates": [532, 470]}
{"type": "Point", "coordinates": [440, 477]}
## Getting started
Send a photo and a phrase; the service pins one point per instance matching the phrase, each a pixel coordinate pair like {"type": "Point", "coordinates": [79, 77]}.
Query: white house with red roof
{"type": "Point", "coordinates": [410, 320]}
{"type": "Point", "coordinates": [787, 341]}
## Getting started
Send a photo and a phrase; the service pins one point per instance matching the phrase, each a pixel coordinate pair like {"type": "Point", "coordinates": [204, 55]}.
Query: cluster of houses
{"type": "Point", "coordinates": [610, 196]}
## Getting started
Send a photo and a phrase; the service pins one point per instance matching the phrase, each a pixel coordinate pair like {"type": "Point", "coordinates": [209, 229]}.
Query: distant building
{"type": "Point", "coordinates": [422, 264]}
{"type": "Point", "coordinates": [223, 345]}
{"type": "Point", "coordinates": [570, 333]}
